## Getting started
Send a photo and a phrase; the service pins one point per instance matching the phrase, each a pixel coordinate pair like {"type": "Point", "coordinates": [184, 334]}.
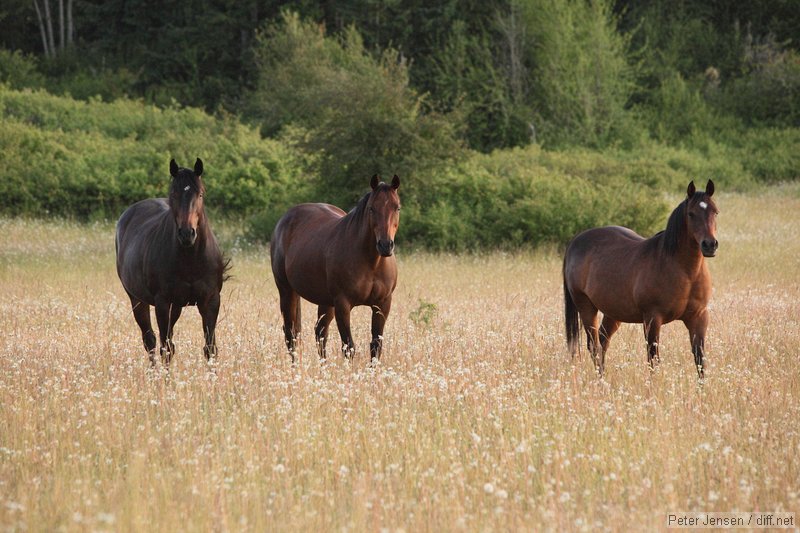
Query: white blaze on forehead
{"type": "Point", "coordinates": [704, 205]}
{"type": "Point", "coordinates": [189, 187]}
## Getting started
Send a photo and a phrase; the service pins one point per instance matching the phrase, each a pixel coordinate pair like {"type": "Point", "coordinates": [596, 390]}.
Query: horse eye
{"type": "Point", "coordinates": [371, 210]}
{"type": "Point", "coordinates": [691, 215]}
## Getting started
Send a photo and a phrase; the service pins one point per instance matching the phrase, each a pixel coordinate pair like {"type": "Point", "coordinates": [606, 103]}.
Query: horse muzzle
{"type": "Point", "coordinates": [187, 237]}
{"type": "Point", "coordinates": [385, 247]}
{"type": "Point", "coordinates": [709, 247]}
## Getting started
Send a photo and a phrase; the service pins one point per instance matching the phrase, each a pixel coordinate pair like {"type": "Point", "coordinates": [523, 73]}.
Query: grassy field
{"type": "Point", "coordinates": [475, 420]}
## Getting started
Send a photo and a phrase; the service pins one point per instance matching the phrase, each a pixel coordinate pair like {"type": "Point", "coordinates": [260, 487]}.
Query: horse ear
{"type": "Point", "coordinates": [374, 181]}
{"type": "Point", "coordinates": [396, 182]}
{"type": "Point", "coordinates": [710, 188]}
{"type": "Point", "coordinates": [690, 190]}
{"type": "Point", "coordinates": [173, 168]}
{"type": "Point", "coordinates": [198, 167]}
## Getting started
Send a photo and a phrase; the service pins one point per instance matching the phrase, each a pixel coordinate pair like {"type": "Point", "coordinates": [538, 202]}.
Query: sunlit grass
{"type": "Point", "coordinates": [476, 419]}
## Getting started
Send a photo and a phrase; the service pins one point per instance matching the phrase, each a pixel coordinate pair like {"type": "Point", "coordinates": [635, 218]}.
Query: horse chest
{"type": "Point", "coordinates": [684, 296]}
{"type": "Point", "coordinates": [367, 289]}
{"type": "Point", "coordinates": [185, 285]}
{"type": "Point", "coordinates": [188, 293]}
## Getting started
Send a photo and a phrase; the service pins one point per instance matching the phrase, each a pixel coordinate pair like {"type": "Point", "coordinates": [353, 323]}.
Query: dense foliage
{"type": "Point", "coordinates": [90, 159]}
{"type": "Point", "coordinates": [510, 122]}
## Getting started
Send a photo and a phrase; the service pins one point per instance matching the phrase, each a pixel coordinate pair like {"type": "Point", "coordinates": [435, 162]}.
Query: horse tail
{"type": "Point", "coordinates": [570, 319]}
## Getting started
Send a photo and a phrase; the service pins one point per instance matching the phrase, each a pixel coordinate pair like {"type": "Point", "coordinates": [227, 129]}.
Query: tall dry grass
{"type": "Point", "coordinates": [475, 420]}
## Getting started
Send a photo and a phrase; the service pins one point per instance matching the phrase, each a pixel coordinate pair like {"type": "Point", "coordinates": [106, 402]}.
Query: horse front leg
{"type": "Point", "coordinates": [167, 314]}
{"type": "Point", "coordinates": [697, 326]}
{"type": "Point", "coordinates": [141, 312]}
{"type": "Point", "coordinates": [324, 317]}
{"type": "Point", "coordinates": [342, 312]}
{"type": "Point", "coordinates": [379, 315]}
{"type": "Point", "coordinates": [607, 329]}
{"type": "Point", "coordinates": [209, 311]}
{"type": "Point", "coordinates": [652, 332]}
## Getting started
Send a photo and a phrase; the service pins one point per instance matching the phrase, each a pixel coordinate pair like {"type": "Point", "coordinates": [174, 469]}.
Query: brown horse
{"type": "Point", "coordinates": [338, 261]}
{"type": "Point", "coordinates": [168, 257]}
{"type": "Point", "coordinates": [649, 281]}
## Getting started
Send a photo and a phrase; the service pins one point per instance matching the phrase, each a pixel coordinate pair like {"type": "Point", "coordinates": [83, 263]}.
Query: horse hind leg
{"type": "Point", "coordinates": [290, 310]}
{"type": "Point", "coordinates": [141, 312]}
{"type": "Point", "coordinates": [324, 318]}
{"type": "Point", "coordinates": [588, 313]}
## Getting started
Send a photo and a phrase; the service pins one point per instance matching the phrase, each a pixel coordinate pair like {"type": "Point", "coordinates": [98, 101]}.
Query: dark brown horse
{"type": "Point", "coordinates": [338, 261]}
{"type": "Point", "coordinates": [168, 257]}
{"type": "Point", "coordinates": [649, 281]}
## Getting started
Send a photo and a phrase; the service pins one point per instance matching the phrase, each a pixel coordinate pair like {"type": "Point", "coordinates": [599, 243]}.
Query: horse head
{"type": "Point", "coordinates": [383, 209]}
{"type": "Point", "coordinates": [701, 212]}
{"type": "Point", "coordinates": [186, 200]}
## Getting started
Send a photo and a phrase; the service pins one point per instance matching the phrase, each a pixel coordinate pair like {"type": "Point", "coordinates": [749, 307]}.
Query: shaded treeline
{"type": "Point", "coordinates": [516, 71]}
{"type": "Point", "coordinates": [509, 121]}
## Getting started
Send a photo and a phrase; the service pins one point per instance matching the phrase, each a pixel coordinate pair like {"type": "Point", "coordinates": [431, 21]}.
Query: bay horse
{"type": "Point", "coordinates": [338, 261]}
{"type": "Point", "coordinates": [168, 257]}
{"type": "Point", "coordinates": [649, 281]}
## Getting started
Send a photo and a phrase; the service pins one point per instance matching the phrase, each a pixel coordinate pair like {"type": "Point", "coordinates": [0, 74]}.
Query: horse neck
{"type": "Point", "coordinates": [688, 254]}
{"type": "Point", "coordinates": [358, 232]}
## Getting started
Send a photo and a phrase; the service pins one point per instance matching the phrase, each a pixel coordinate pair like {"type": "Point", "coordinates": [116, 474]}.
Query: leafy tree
{"type": "Point", "coordinates": [467, 78]}
{"type": "Point", "coordinates": [354, 113]}
{"type": "Point", "coordinates": [581, 79]}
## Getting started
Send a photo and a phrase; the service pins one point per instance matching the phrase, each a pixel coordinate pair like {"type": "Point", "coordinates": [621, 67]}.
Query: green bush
{"type": "Point", "coordinates": [59, 156]}
{"type": "Point", "coordinates": [91, 159]}
{"type": "Point", "coordinates": [19, 70]}
{"type": "Point", "coordinates": [105, 84]}
{"type": "Point", "coordinates": [523, 197]}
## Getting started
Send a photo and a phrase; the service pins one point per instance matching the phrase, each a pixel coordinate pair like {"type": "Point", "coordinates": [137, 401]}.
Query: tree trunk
{"type": "Point", "coordinates": [514, 33]}
{"type": "Point", "coordinates": [42, 28]}
{"type": "Point", "coordinates": [61, 25]}
{"type": "Point", "coordinates": [48, 19]}
{"type": "Point", "coordinates": [70, 27]}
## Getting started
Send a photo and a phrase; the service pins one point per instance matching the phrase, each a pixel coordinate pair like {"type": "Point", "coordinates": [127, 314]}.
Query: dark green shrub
{"type": "Point", "coordinates": [19, 70]}
{"type": "Point", "coordinates": [769, 91]}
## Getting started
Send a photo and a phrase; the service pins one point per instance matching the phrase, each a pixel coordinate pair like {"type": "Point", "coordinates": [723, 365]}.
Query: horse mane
{"type": "Point", "coordinates": [355, 215]}
{"type": "Point", "coordinates": [671, 236]}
